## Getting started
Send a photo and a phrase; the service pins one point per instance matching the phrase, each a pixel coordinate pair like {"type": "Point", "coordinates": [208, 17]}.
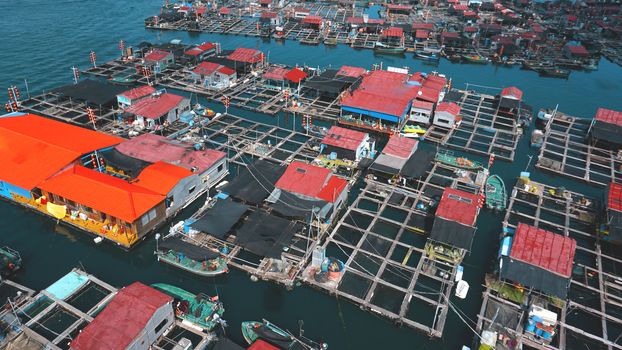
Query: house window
{"type": "Point", "coordinates": [169, 202]}
{"type": "Point", "coordinates": [191, 189]}
{"type": "Point", "coordinates": [147, 218]}
{"type": "Point", "coordinates": [220, 167]}
{"type": "Point", "coordinates": [160, 326]}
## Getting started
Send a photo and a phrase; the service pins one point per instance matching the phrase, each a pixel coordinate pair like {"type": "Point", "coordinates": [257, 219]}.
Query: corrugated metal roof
{"type": "Point", "coordinates": [311, 181]}
{"type": "Point", "coordinates": [449, 107]}
{"type": "Point", "coordinates": [344, 138]}
{"type": "Point", "coordinates": [609, 116]}
{"type": "Point", "coordinates": [139, 92]}
{"type": "Point", "coordinates": [243, 54]}
{"type": "Point", "coordinates": [458, 206]}
{"type": "Point", "coordinates": [122, 320]}
{"type": "Point", "coordinates": [156, 55]}
{"type": "Point", "coordinates": [402, 147]}
{"type": "Point", "coordinates": [543, 249]}
{"type": "Point", "coordinates": [155, 107]}
{"type": "Point", "coordinates": [614, 197]}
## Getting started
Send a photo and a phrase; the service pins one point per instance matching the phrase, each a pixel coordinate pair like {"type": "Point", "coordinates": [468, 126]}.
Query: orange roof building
{"type": "Point", "coordinates": [61, 170]}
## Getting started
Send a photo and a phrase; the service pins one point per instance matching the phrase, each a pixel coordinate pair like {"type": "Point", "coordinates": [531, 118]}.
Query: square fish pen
{"type": "Point", "coordinates": [482, 131]}
{"type": "Point", "coordinates": [567, 151]}
{"type": "Point", "coordinates": [592, 313]}
{"type": "Point", "coordinates": [386, 268]}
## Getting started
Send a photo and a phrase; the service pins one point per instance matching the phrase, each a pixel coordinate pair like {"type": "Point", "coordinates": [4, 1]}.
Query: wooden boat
{"type": "Point", "coordinates": [11, 261]}
{"type": "Point", "coordinates": [282, 339]}
{"type": "Point", "coordinates": [330, 41]}
{"type": "Point", "coordinates": [554, 73]}
{"type": "Point", "coordinates": [427, 56]}
{"type": "Point", "coordinates": [496, 195]}
{"type": "Point", "coordinates": [194, 259]}
{"type": "Point", "coordinates": [381, 47]}
{"type": "Point", "coordinates": [477, 59]}
{"type": "Point", "coordinates": [448, 158]}
{"type": "Point", "coordinates": [454, 58]}
{"type": "Point", "coordinates": [200, 310]}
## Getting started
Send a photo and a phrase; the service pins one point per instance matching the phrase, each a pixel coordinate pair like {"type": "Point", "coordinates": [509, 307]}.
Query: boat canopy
{"type": "Point", "coordinates": [191, 251]}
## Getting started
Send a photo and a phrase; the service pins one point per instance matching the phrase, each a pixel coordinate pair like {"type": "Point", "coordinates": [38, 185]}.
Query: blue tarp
{"type": "Point", "coordinates": [66, 286]}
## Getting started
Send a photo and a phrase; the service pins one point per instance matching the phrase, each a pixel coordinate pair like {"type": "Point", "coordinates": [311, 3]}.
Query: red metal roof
{"type": "Point", "coordinates": [609, 116]}
{"type": "Point", "coordinates": [312, 20]}
{"type": "Point", "coordinates": [156, 55]}
{"type": "Point", "coordinates": [361, 20]}
{"type": "Point", "coordinates": [269, 14]}
{"type": "Point", "coordinates": [423, 26]}
{"type": "Point", "coordinates": [449, 107]}
{"type": "Point", "coordinates": [458, 206]}
{"type": "Point", "coordinates": [470, 29]}
{"type": "Point", "coordinates": [311, 181]}
{"type": "Point", "coordinates": [577, 50]}
{"type": "Point", "coordinates": [401, 147]}
{"type": "Point", "coordinates": [277, 73]}
{"type": "Point", "coordinates": [122, 320]}
{"type": "Point", "coordinates": [460, 7]}
{"type": "Point", "coordinates": [469, 14]}
{"type": "Point", "coordinates": [543, 249]}
{"type": "Point", "coordinates": [139, 92]}
{"type": "Point", "coordinates": [156, 106]}
{"type": "Point", "coordinates": [265, 2]}
{"type": "Point", "coordinates": [200, 49]}
{"type": "Point", "coordinates": [344, 138]}
{"type": "Point", "coordinates": [512, 92]}
{"type": "Point", "coordinates": [423, 105]}
{"type": "Point", "coordinates": [201, 10]}
{"type": "Point", "coordinates": [224, 11]}
{"type": "Point", "coordinates": [243, 54]}
{"type": "Point", "coordinates": [421, 34]}
{"type": "Point", "coordinates": [226, 71]}
{"type": "Point", "coordinates": [428, 94]}
{"type": "Point", "coordinates": [103, 192]}
{"type": "Point", "coordinates": [153, 148]}
{"type": "Point", "coordinates": [434, 82]}
{"type": "Point", "coordinates": [451, 35]}
{"type": "Point", "coordinates": [350, 71]}
{"type": "Point", "coordinates": [384, 92]}
{"type": "Point", "coordinates": [206, 68]}
{"type": "Point", "coordinates": [398, 7]}
{"type": "Point", "coordinates": [33, 148]}
{"type": "Point", "coordinates": [295, 75]}
{"type": "Point", "coordinates": [161, 177]}
{"type": "Point", "coordinates": [262, 345]}
{"type": "Point", "coordinates": [614, 198]}
{"type": "Point", "coordinates": [393, 32]}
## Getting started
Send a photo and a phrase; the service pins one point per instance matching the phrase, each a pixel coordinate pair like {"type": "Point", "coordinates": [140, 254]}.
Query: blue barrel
{"type": "Point", "coordinates": [333, 155]}
{"type": "Point", "coordinates": [531, 326]}
{"type": "Point", "coordinates": [539, 332]}
{"type": "Point", "coordinates": [546, 335]}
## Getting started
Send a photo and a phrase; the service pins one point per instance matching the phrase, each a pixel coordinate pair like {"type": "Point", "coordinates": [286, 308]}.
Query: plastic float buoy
{"type": "Point", "coordinates": [254, 278]}
{"type": "Point", "coordinates": [462, 289]}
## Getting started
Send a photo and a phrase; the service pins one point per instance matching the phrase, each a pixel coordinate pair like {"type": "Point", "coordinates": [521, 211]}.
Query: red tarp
{"type": "Point", "coordinates": [122, 320]}
{"type": "Point", "coordinates": [448, 107]}
{"type": "Point", "coordinates": [152, 148]}
{"type": "Point", "coordinates": [458, 206]}
{"type": "Point", "coordinates": [155, 107]}
{"type": "Point", "coordinates": [344, 138]}
{"type": "Point", "coordinates": [262, 345]}
{"type": "Point", "coordinates": [423, 26]}
{"type": "Point", "coordinates": [139, 92]}
{"type": "Point", "coordinates": [401, 147]}
{"type": "Point", "coordinates": [609, 116]}
{"type": "Point", "coordinates": [543, 249]}
{"type": "Point", "coordinates": [311, 181]}
{"type": "Point", "coordinates": [614, 198]}
{"type": "Point", "coordinates": [512, 92]}
{"type": "Point", "coordinates": [34, 148]}
{"type": "Point", "coordinates": [243, 54]}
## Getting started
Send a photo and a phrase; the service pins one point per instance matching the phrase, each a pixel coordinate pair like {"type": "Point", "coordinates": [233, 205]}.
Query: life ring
{"type": "Point", "coordinates": [11, 266]}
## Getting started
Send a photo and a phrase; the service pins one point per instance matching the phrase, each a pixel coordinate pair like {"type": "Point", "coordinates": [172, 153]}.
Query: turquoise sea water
{"type": "Point", "coordinates": [41, 40]}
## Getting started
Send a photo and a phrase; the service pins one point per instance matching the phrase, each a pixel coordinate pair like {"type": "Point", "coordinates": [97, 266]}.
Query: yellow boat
{"type": "Point", "coordinates": [413, 129]}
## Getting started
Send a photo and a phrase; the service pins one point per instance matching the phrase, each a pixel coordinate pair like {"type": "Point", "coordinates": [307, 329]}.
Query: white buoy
{"type": "Point", "coordinates": [98, 240]}
{"type": "Point", "coordinates": [462, 289]}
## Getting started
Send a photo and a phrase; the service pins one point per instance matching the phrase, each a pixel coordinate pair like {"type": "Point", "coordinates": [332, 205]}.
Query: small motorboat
{"type": "Point", "coordinates": [11, 261]}
{"type": "Point", "coordinates": [200, 310]}
{"type": "Point", "coordinates": [554, 72]}
{"type": "Point", "coordinates": [477, 59]}
{"type": "Point", "coordinates": [413, 131]}
{"type": "Point", "coordinates": [264, 331]}
{"type": "Point", "coordinates": [496, 195]}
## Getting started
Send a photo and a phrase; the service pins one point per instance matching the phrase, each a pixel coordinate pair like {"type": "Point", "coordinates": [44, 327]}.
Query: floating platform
{"type": "Point", "coordinates": [567, 150]}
